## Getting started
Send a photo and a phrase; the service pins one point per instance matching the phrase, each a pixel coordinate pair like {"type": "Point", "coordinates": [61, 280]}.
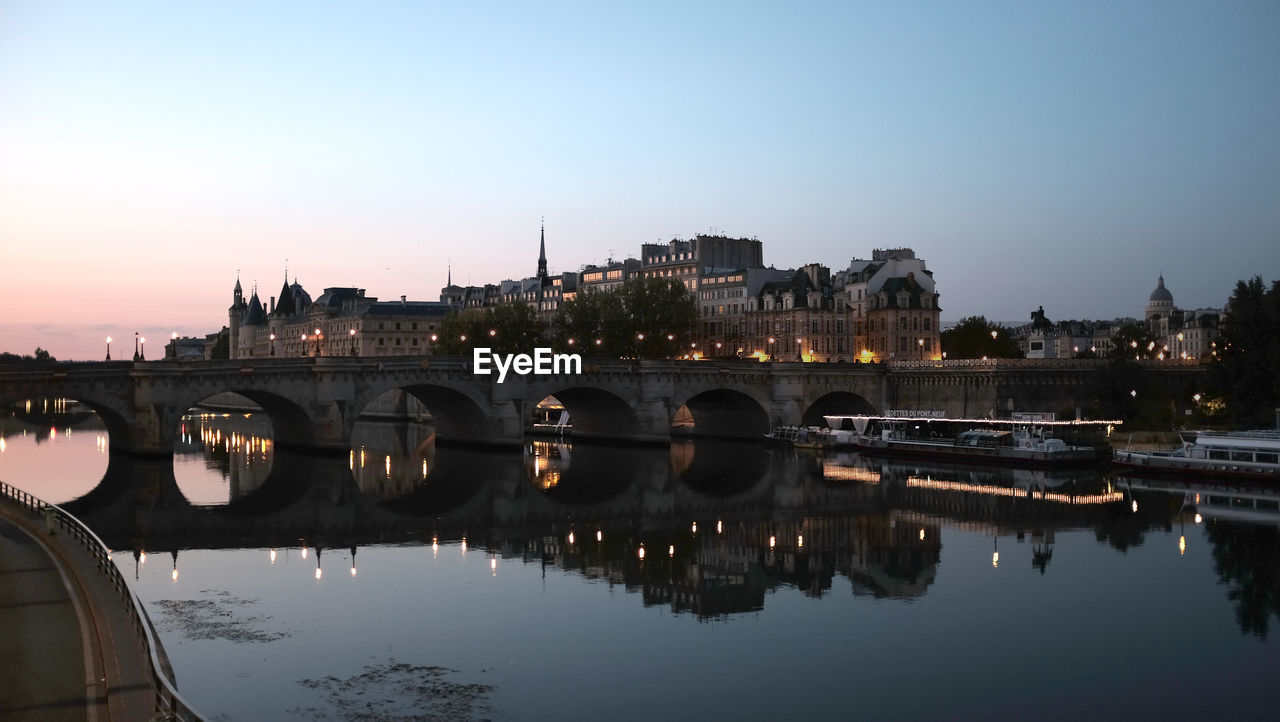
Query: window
{"type": "Point", "coordinates": [397, 341]}
{"type": "Point", "coordinates": [382, 341]}
{"type": "Point", "coordinates": [397, 325]}
{"type": "Point", "coordinates": [415, 325]}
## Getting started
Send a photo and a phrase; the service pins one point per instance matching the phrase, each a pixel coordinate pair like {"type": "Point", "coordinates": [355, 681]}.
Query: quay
{"type": "Point", "coordinates": [75, 643]}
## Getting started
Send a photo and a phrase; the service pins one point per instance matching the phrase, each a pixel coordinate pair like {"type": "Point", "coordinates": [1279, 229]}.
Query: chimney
{"type": "Point", "coordinates": [402, 301]}
{"type": "Point", "coordinates": [273, 304]}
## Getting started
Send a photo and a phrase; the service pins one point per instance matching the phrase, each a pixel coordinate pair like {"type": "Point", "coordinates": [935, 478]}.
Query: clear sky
{"type": "Point", "coordinates": [1033, 153]}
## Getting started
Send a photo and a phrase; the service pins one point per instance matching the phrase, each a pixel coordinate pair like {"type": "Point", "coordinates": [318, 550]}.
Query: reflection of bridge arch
{"type": "Point", "coordinates": [458, 413]}
{"type": "Point", "coordinates": [727, 413]}
{"type": "Point", "coordinates": [836, 403]}
{"type": "Point", "coordinates": [720, 468]}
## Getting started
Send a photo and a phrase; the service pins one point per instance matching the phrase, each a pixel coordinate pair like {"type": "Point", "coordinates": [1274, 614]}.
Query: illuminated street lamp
{"type": "Point", "coordinates": [273, 344]}
{"type": "Point", "coordinates": [304, 344]}
{"type": "Point", "coordinates": [108, 348]}
{"type": "Point", "coordinates": [352, 334]}
{"type": "Point", "coordinates": [318, 337]}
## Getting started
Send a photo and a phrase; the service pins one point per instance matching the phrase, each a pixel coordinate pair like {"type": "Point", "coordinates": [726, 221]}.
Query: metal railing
{"type": "Point", "coordinates": [169, 705]}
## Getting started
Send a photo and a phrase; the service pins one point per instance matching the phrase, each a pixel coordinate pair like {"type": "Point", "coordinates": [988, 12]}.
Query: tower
{"type": "Point", "coordinates": [542, 254]}
{"type": "Point", "coordinates": [234, 314]}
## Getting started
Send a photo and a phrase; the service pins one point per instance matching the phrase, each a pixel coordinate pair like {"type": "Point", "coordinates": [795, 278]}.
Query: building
{"type": "Point", "coordinates": [543, 291]}
{"type": "Point", "coordinates": [894, 307]}
{"type": "Point", "coordinates": [1177, 333]}
{"type": "Point", "coordinates": [343, 321]}
{"type": "Point", "coordinates": [802, 317]}
{"type": "Point", "coordinates": [689, 260]}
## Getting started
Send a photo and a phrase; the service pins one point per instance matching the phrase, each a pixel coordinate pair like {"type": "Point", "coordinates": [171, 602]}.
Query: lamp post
{"type": "Point", "coordinates": [136, 355]}
{"type": "Point", "coordinates": [352, 334]}
{"type": "Point", "coordinates": [771, 342]}
{"type": "Point", "coordinates": [273, 344]}
{"type": "Point", "coordinates": [142, 350]}
{"type": "Point", "coordinates": [800, 349]}
{"type": "Point", "coordinates": [303, 345]}
{"type": "Point", "coordinates": [318, 337]}
{"type": "Point", "coordinates": [173, 339]}
{"type": "Point", "coordinates": [108, 348]}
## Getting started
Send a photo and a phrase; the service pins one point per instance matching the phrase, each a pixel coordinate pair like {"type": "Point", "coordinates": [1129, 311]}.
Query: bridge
{"type": "Point", "coordinates": [313, 403]}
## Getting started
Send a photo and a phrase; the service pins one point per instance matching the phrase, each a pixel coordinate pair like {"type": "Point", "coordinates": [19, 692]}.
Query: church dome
{"type": "Point", "coordinates": [1161, 294]}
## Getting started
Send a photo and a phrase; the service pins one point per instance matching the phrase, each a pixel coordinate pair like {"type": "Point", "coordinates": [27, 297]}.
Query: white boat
{"type": "Point", "coordinates": [1016, 442]}
{"type": "Point", "coordinates": [1253, 454]}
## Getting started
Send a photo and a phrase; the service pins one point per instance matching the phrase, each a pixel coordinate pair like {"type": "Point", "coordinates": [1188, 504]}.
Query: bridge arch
{"type": "Point", "coordinates": [596, 413]}
{"type": "Point", "coordinates": [114, 413]}
{"type": "Point", "coordinates": [457, 412]}
{"type": "Point", "coordinates": [726, 414]}
{"type": "Point", "coordinates": [291, 425]}
{"type": "Point", "coordinates": [836, 403]}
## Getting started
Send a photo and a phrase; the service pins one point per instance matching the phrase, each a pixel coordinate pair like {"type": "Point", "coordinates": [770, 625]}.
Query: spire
{"type": "Point", "coordinates": [449, 278]}
{"type": "Point", "coordinates": [542, 251]}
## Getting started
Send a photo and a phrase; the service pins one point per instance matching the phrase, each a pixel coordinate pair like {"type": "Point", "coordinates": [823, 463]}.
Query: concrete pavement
{"type": "Point", "coordinates": [68, 646]}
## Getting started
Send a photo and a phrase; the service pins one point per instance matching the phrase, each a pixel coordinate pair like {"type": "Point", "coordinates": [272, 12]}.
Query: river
{"type": "Point", "coordinates": [711, 580]}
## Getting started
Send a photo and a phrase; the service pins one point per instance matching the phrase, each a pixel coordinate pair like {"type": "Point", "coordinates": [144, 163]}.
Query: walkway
{"type": "Point", "coordinates": [68, 646]}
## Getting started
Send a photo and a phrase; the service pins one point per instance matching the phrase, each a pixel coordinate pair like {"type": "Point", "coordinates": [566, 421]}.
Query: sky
{"type": "Point", "coordinates": [1055, 154]}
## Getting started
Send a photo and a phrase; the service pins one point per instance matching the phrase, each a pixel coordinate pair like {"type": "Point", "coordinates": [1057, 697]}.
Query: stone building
{"type": "Point", "coordinates": [894, 307]}
{"type": "Point", "coordinates": [343, 321]}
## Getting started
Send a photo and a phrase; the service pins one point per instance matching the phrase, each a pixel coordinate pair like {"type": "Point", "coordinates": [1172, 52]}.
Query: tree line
{"type": "Point", "coordinates": [643, 318]}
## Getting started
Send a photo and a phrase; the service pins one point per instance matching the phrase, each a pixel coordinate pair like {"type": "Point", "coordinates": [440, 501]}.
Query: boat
{"type": "Point", "coordinates": [799, 437]}
{"type": "Point", "coordinates": [1022, 441]}
{"type": "Point", "coordinates": [1231, 454]}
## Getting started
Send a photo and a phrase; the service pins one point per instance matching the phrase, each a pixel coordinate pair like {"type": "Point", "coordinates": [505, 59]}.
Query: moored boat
{"type": "Point", "coordinates": [1014, 442]}
{"type": "Point", "coordinates": [1243, 454]}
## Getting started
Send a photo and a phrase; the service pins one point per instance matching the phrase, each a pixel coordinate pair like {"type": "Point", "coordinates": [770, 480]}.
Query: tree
{"type": "Point", "coordinates": [1132, 340]}
{"type": "Point", "coordinates": [646, 317]}
{"type": "Point", "coordinates": [1246, 367]}
{"type": "Point", "coordinates": [975, 337]}
{"type": "Point", "coordinates": [40, 355]}
{"type": "Point", "coordinates": [507, 328]}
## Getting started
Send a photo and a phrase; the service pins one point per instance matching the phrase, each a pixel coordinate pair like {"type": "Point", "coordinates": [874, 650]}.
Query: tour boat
{"type": "Point", "coordinates": [1015, 442]}
{"type": "Point", "coordinates": [1254, 454]}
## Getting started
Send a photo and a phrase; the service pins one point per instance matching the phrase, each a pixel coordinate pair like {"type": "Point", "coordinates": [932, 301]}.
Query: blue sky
{"type": "Point", "coordinates": [1034, 153]}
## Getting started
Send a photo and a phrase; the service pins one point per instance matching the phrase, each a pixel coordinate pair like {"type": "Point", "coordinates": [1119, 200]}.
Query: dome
{"type": "Point", "coordinates": [1161, 294]}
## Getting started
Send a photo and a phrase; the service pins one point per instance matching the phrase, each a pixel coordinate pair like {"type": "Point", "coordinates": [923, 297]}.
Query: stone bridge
{"type": "Point", "coordinates": [313, 403]}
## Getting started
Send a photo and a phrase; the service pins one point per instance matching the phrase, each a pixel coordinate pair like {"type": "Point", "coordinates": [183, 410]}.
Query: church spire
{"type": "Point", "coordinates": [542, 251]}
{"type": "Point", "coordinates": [449, 278]}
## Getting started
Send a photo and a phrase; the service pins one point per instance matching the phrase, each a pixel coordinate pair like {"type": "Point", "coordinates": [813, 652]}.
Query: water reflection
{"type": "Point", "coordinates": [734, 533]}
{"type": "Point", "coordinates": [236, 447]}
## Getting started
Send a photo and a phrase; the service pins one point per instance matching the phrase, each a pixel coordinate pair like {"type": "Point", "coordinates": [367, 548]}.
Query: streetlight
{"type": "Point", "coordinates": [108, 348]}
{"type": "Point", "coordinates": [173, 339]}
{"type": "Point", "coordinates": [352, 333]}
{"type": "Point", "coordinates": [142, 350]}
{"type": "Point", "coordinates": [318, 337]}
{"type": "Point", "coordinates": [304, 344]}
{"type": "Point", "coordinates": [800, 349]}
{"type": "Point", "coordinates": [273, 344]}
{"type": "Point", "coordinates": [771, 340]}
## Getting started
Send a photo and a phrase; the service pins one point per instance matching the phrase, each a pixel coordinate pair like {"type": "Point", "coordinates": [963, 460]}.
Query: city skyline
{"type": "Point", "coordinates": [1061, 157]}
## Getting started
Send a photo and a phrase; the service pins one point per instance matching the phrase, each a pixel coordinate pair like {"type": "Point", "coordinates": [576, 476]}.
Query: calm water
{"type": "Point", "coordinates": [401, 579]}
